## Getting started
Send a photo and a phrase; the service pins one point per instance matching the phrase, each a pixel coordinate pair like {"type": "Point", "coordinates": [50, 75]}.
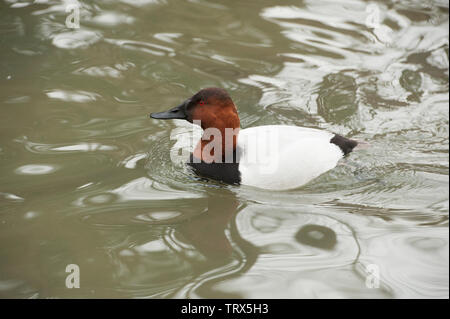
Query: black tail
{"type": "Point", "coordinates": [345, 144]}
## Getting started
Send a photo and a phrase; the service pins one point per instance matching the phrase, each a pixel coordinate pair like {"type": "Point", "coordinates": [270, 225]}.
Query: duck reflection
{"type": "Point", "coordinates": [206, 232]}
{"type": "Point", "coordinates": [215, 236]}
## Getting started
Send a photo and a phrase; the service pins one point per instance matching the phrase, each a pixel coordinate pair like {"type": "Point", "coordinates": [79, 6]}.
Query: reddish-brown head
{"type": "Point", "coordinates": [214, 108]}
{"type": "Point", "coordinates": [211, 108]}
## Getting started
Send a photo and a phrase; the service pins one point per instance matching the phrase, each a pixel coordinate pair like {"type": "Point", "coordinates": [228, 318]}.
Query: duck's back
{"type": "Point", "coordinates": [285, 157]}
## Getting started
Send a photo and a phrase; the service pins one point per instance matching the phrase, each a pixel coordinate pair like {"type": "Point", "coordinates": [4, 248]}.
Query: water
{"type": "Point", "coordinates": [86, 176]}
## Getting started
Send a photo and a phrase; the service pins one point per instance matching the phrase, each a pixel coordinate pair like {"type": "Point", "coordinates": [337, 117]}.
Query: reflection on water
{"type": "Point", "coordinates": [316, 236]}
{"type": "Point", "coordinates": [87, 178]}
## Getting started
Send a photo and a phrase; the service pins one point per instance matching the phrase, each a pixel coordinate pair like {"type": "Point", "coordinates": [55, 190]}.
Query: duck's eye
{"type": "Point", "coordinates": [201, 103]}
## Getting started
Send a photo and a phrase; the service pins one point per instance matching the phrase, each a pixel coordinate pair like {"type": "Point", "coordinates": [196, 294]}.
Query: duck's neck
{"type": "Point", "coordinates": [217, 145]}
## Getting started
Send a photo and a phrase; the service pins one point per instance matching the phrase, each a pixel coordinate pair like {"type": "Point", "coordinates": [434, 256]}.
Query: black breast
{"type": "Point", "coordinates": [345, 144]}
{"type": "Point", "coordinates": [224, 172]}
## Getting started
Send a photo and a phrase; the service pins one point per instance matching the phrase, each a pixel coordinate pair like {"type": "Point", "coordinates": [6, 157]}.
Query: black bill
{"type": "Point", "coordinates": [178, 112]}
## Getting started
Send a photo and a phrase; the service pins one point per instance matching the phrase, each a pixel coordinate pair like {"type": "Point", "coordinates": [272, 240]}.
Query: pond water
{"type": "Point", "coordinates": [86, 176]}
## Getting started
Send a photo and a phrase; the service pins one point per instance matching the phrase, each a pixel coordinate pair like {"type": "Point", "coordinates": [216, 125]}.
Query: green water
{"type": "Point", "coordinates": [86, 177]}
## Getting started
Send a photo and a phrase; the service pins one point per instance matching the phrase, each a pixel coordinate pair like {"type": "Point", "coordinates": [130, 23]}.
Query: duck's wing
{"type": "Point", "coordinates": [285, 157]}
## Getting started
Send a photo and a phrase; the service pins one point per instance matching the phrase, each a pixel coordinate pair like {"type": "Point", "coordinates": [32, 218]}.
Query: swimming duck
{"type": "Point", "coordinates": [275, 157]}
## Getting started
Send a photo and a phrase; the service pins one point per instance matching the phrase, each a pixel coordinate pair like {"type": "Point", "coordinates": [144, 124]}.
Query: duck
{"type": "Point", "coordinates": [272, 157]}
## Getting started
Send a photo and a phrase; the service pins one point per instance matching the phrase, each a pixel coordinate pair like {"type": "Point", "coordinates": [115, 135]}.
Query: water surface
{"type": "Point", "coordinates": [86, 177]}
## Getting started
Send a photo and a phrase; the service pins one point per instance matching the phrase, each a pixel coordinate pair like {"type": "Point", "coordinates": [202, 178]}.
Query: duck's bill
{"type": "Point", "coordinates": [174, 113]}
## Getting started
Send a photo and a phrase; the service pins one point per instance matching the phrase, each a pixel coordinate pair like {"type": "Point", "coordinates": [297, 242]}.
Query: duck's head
{"type": "Point", "coordinates": [210, 107]}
